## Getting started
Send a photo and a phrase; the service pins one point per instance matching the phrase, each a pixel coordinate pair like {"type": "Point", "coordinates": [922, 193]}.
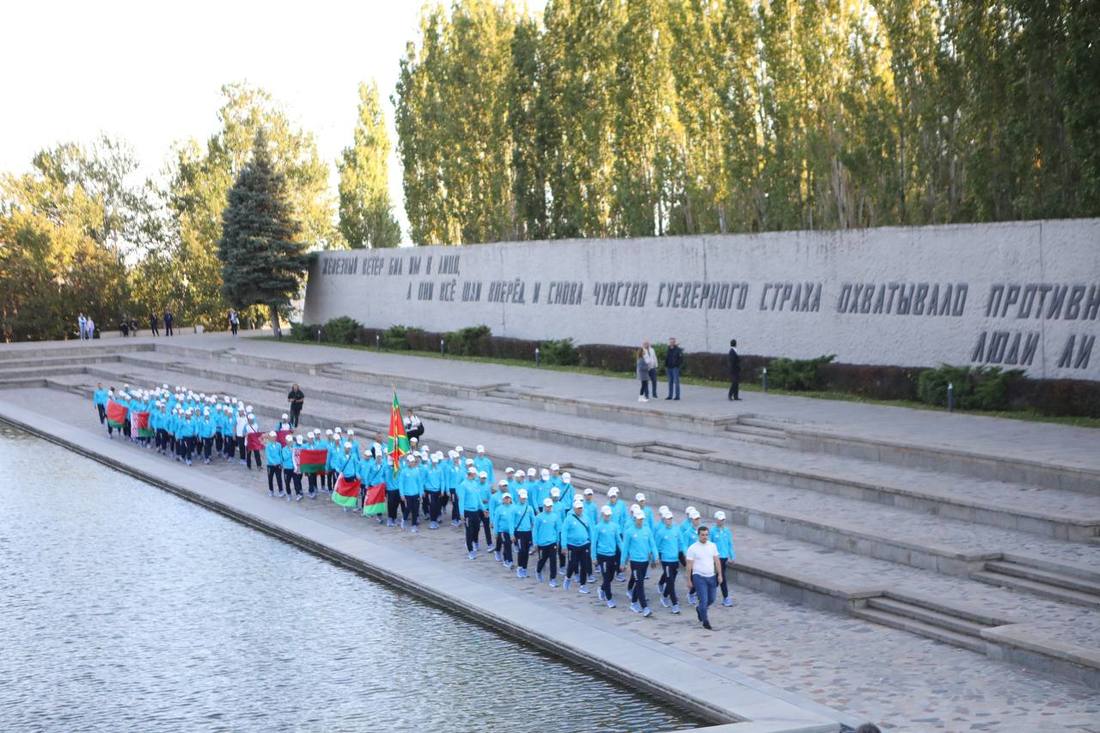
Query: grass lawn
{"type": "Point", "coordinates": [1028, 415]}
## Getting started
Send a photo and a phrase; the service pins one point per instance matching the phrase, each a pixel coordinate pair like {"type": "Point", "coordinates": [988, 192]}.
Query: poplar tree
{"type": "Point", "coordinates": [366, 214]}
{"type": "Point", "coordinates": [262, 257]}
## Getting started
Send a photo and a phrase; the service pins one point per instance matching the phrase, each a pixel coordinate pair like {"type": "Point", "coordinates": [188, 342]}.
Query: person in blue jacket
{"type": "Point", "coordinates": [606, 545]}
{"type": "Point", "coordinates": [504, 524]}
{"type": "Point", "coordinates": [669, 549]}
{"type": "Point", "coordinates": [288, 470]}
{"type": "Point", "coordinates": [469, 493]}
{"type": "Point", "coordinates": [482, 462]}
{"type": "Point", "coordinates": [274, 454]}
{"type": "Point", "coordinates": [411, 484]}
{"type": "Point", "coordinates": [434, 481]}
{"type": "Point", "coordinates": [455, 475]}
{"type": "Point", "coordinates": [525, 525]}
{"type": "Point", "coordinates": [99, 399]}
{"type": "Point", "coordinates": [722, 538]}
{"type": "Point", "coordinates": [650, 520]}
{"type": "Point", "coordinates": [591, 508]}
{"type": "Point", "coordinates": [576, 537]}
{"type": "Point", "coordinates": [485, 492]}
{"type": "Point", "coordinates": [547, 535]}
{"type": "Point", "coordinates": [496, 497]}
{"type": "Point", "coordinates": [689, 535]}
{"type": "Point", "coordinates": [187, 432]}
{"type": "Point", "coordinates": [639, 550]}
{"type": "Point", "coordinates": [206, 434]}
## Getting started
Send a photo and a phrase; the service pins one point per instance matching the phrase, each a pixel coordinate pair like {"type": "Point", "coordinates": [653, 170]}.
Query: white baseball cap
{"type": "Point", "coordinates": [480, 449]}
{"type": "Point", "coordinates": [458, 448]}
{"type": "Point", "coordinates": [502, 482]}
{"type": "Point", "coordinates": [469, 461]}
{"type": "Point", "coordinates": [545, 473]}
{"type": "Point", "coordinates": [483, 475]}
{"type": "Point", "coordinates": [285, 416]}
{"type": "Point", "coordinates": [566, 476]}
{"type": "Point", "coordinates": [639, 497]}
{"type": "Point", "coordinates": [531, 472]}
{"type": "Point", "coordinates": [613, 491]}
{"type": "Point", "coordinates": [554, 467]}
{"type": "Point", "coordinates": [272, 434]}
{"type": "Point", "coordinates": [547, 502]}
{"type": "Point", "coordinates": [565, 479]}
{"type": "Point", "coordinates": [606, 511]}
{"type": "Point", "coordinates": [578, 504]}
{"type": "Point", "coordinates": [589, 492]}
{"type": "Point", "coordinates": [472, 470]}
{"type": "Point", "coordinates": [509, 470]}
{"type": "Point", "coordinates": [522, 493]}
{"type": "Point", "coordinates": [690, 510]}
{"type": "Point", "coordinates": [694, 514]}
{"type": "Point", "coordinates": [555, 491]}
{"type": "Point", "coordinates": [720, 516]}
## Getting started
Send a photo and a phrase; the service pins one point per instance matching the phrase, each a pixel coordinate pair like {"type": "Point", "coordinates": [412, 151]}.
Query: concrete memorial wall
{"type": "Point", "coordinates": [1017, 294]}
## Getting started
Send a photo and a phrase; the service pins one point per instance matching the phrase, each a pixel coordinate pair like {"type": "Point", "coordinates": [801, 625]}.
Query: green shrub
{"type": "Point", "coordinates": [341, 330]}
{"type": "Point", "coordinates": [302, 332]}
{"type": "Point", "coordinates": [561, 353]}
{"type": "Point", "coordinates": [395, 338]}
{"type": "Point", "coordinates": [797, 374]}
{"type": "Point", "coordinates": [471, 341]}
{"type": "Point", "coordinates": [977, 388]}
{"type": "Point", "coordinates": [661, 350]}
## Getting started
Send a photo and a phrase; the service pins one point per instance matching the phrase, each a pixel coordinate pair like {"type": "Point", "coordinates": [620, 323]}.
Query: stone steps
{"type": "Point", "coordinates": [918, 619]}
{"type": "Point", "coordinates": [1059, 583]}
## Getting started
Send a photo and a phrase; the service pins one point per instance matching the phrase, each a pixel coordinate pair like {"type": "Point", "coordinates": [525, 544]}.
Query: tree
{"type": "Point", "coordinates": [201, 176]}
{"type": "Point", "coordinates": [262, 256]}
{"type": "Point", "coordinates": [366, 214]}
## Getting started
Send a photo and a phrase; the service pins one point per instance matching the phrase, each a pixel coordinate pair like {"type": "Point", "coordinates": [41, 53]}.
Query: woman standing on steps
{"type": "Point", "coordinates": [642, 372]}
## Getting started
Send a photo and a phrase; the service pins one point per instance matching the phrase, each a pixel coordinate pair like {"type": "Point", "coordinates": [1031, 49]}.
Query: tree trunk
{"type": "Point", "coordinates": [275, 322]}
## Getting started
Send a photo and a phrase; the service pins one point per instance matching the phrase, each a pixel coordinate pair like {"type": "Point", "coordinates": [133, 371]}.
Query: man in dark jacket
{"type": "Point", "coordinates": [735, 371]}
{"type": "Point", "coordinates": [674, 360]}
{"type": "Point", "coordinates": [168, 319]}
{"type": "Point", "coordinates": [297, 398]}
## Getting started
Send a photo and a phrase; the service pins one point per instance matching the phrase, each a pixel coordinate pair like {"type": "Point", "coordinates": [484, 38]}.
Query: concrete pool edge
{"type": "Point", "coordinates": [735, 702]}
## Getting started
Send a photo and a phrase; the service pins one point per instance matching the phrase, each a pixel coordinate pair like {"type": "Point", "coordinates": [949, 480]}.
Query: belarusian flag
{"type": "Point", "coordinates": [254, 441]}
{"type": "Point", "coordinates": [398, 442]}
{"type": "Point", "coordinates": [116, 414]}
{"type": "Point", "coordinates": [312, 460]}
{"type": "Point", "coordinates": [139, 421]}
{"type": "Point", "coordinates": [375, 503]}
{"type": "Point", "coordinates": [346, 493]}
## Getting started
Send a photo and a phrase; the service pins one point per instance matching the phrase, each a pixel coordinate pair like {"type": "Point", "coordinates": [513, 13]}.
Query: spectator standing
{"type": "Point", "coordinates": [414, 427]}
{"type": "Point", "coordinates": [735, 371]}
{"type": "Point", "coordinates": [674, 361]}
{"type": "Point", "coordinates": [90, 328]}
{"type": "Point", "coordinates": [124, 327]}
{"type": "Point", "coordinates": [82, 326]}
{"type": "Point", "coordinates": [153, 323]}
{"type": "Point", "coordinates": [704, 569]}
{"type": "Point", "coordinates": [642, 369]}
{"type": "Point", "coordinates": [168, 318]}
{"type": "Point", "coordinates": [235, 323]}
{"type": "Point", "coordinates": [297, 399]}
{"type": "Point", "coordinates": [651, 366]}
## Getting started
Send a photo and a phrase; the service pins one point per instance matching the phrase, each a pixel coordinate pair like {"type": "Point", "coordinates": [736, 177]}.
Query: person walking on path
{"type": "Point", "coordinates": [643, 374]}
{"type": "Point", "coordinates": [651, 366]}
{"type": "Point", "coordinates": [547, 536]}
{"type": "Point", "coordinates": [525, 525]}
{"type": "Point", "coordinates": [168, 318]}
{"type": "Point", "coordinates": [153, 324]}
{"type": "Point", "coordinates": [606, 542]}
{"type": "Point", "coordinates": [576, 537]}
{"type": "Point", "coordinates": [674, 361]}
{"type": "Point", "coordinates": [297, 398]}
{"type": "Point", "coordinates": [735, 371]}
{"type": "Point", "coordinates": [723, 540]}
{"type": "Point", "coordinates": [704, 569]}
{"type": "Point", "coordinates": [99, 399]}
{"type": "Point", "coordinates": [639, 550]}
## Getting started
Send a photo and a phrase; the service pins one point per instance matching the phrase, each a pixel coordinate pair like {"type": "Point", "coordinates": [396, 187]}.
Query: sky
{"type": "Point", "coordinates": [150, 72]}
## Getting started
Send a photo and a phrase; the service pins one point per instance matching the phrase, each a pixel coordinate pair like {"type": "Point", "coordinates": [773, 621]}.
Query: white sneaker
{"type": "Point", "coordinates": [643, 399]}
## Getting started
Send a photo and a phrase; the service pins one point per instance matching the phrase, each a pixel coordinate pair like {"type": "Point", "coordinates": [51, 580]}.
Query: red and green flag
{"type": "Point", "coordinates": [254, 441]}
{"type": "Point", "coordinates": [375, 502]}
{"type": "Point", "coordinates": [346, 492]}
{"type": "Point", "coordinates": [398, 442]}
{"type": "Point", "coordinates": [281, 436]}
{"type": "Point", "coordinates": [116, 414]}
{"type": "Point", "coordinates": [312, 460]}
{"type": "Point", "coordinates": [139, 423]}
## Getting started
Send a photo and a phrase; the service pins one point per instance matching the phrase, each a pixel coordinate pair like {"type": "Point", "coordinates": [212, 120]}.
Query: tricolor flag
{"type": "Point", "coordinates": [254, 441]}
{"type": "Point", "coordinates": [398, 442]}
{"type": "Point", "coordinates": [312, 460]}
{"type": "Point", "coordinates": [116, 414]}
{"type": "Point", "coordinates": [346, 493]}
{"type": "Point", "coordinates": [139, 423]}
{"type": "Point", "coordinates": [375, 503]}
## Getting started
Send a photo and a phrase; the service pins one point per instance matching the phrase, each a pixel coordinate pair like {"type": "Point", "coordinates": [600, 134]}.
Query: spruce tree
{"type": "Point", "coordinates": [262, 256]}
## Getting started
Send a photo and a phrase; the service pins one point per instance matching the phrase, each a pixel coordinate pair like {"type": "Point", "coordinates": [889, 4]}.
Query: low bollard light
{"type": "Point", "coordinates": [537, 360]}
{"type": "Point", "coordinates": [441, 347]}
{"type": "Point", "coordinates": [318, 334]}
{"type": "Point", "coordinates": [950, 397]}
{"type": "Point", "coordinates": [764, 373]}
{"type": "Point", "coordinates": [378, 341]}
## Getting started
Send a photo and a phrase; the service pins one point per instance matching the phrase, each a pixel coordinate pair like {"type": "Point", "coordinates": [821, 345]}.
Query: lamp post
{"type": "Point", "coordinates": [537, 359]}
{"type": "Point", "coordinates": [764, 373]}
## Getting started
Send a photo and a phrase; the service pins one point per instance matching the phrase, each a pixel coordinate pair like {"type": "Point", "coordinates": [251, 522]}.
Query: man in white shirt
{"type": "Point", "coordinates": [704, 571]}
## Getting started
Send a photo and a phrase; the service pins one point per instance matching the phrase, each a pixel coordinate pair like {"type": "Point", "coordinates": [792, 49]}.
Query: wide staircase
{"type": "Point", "coordinates": [1000, 556]}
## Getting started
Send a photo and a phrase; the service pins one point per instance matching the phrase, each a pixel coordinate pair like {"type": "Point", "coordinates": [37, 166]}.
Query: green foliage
{"type": "Point", "coordinates": [303, 332]}
{"type": "Point", "coordinates": [470, 341]}
{"type": "Point", "coordinates": [661, 350]}
{"type": "Point", "coordinates": [560, 353]}
{"type": "Point", "coordinates": [975, 388]}
{"type": "Point", "coordinates": [797, 374]}
{"type": "Point", "coordinates": [396, 338]}
{"type": "Point", "coordinates": [262, 257]}
{"type": "Point", "coordinates": [366, 214]}
{"type": "Point", "coordinates": [697, 116]}
{"type": "Point", "coordinates": [341, 330]}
